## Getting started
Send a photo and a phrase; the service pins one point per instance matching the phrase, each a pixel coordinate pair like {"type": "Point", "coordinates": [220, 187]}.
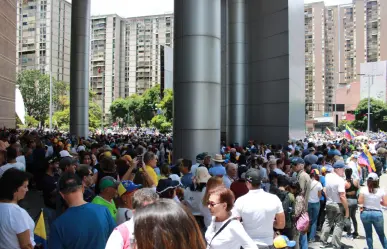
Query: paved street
{"type": "Point", "coordinates": [33, 203]}
{"type": "Point", "coordinates": [361, 243]}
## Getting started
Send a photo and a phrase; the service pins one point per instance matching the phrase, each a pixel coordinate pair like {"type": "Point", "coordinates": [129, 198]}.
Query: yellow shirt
{"type": "Point", "coordinates": [152, 174]}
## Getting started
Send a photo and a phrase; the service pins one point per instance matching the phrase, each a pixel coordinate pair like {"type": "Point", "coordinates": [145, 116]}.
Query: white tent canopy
{"type": "Point", "coordinates": [19, 106]}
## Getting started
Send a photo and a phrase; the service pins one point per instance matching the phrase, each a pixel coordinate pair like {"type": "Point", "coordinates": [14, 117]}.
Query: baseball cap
{"type": "Point", "coordinates": [373, 177]}
{"type": "Point", "coordinates": [339, 165]}
{"type": "Point", "coordinates": [69, 183]}
{"type": "Point", "coordinates": [201, 156]}
{"type": "Point", "coordinates": [297, 160]}
{"type": "Point", "coordinates": [315, 171]}
{"type": "Point", "coordinates": [253, 176]}
{"type": "Point", "coordinates": [107, 182]}
{"type": "Point", "coordinates": [312, 149]}
{"type": "Point", "coordinates": [166, 184]}
{"type": "Point", "coordinates": [127, 186]}
{"type": "Point", "coordinates": [65, 162]}
{"type": "Point", "coordinates": [64, 153]}
{"type": "Point", "coordinates": [282, 241]}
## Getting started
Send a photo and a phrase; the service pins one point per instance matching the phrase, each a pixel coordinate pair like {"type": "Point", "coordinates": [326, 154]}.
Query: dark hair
{"type": "Point", "coordinates": [282, 181]}
{"type": "Point", "coordinates": [82, 171]}
{"type": "Point", "coordinates": [225, 196]}
{"type": "Point", "coordinates": [69, 183]}
{"type": "Point", "coordinates": [279, 161]}
{"type": "Point", "coordinates": [82, 156]}
{"type": "Point", "coordinates": [107, 164]}
{"type": "Point", "coordinates": [11, 153]}
{"type": "Point", "coordinates": [187, 164]}
{"type": "Point", "coordinates": [148, 156]}
{"type": "Point", "coordinates": [348, 174]}
{"type": "Point", "coordinates": [165, 170]}
{"type": "Point", "coordinates": [372, 185]}
{"type": "Point", "coordinates": [11, 180]}
{"type": "Point", "coordinates": [122, 167]}
{"type": "Point", "coordinates": [314, 175]}
{"type": "Point", "coordinates": [168, 194]}
{"type": "Point", "coordinates": [144, 196]}
{"type": "Point", "coordinates": [168, 226]}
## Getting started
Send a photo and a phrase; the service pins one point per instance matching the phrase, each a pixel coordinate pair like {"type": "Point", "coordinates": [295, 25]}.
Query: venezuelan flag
{"type": "Point", "coordinates": [353, 134]}
{"type": "Point", "coordinates": [370, 159]}
{"type": "Point", "coordinates": [347, 135]}
{"type": "Point", "coordinates": [40, 232]}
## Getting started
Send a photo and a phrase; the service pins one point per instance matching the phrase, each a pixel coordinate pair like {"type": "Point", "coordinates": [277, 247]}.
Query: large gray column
{"type": "Point", "coordinates": [237, 84]}
{"type": "Point", "coordinates": [79, 67]}
{"type": "Point", "coordinates": [197, 78]}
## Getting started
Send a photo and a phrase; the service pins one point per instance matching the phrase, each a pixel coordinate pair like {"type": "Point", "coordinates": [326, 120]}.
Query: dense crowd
{"type": "Point", "coordinates": [123, 191]}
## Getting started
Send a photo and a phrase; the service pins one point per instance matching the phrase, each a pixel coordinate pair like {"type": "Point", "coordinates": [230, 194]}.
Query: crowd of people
{"type": "Point", "coordinates": [123, 191]}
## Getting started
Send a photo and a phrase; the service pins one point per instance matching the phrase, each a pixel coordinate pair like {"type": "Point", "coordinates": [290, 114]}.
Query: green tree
{"type": "Point", "coordinates": [378, 112]}
{"type": "Point", "coordinates": [134, 108]}
{"type": "Point", "coordinates": [344, 123]}
{"type": "Point", "coordinates": [166, 104]}
{"type": "Point", "coordinates": [35, 89]}
{"type": "Point", "coordinates": [148, 105]}
{"type": "Point", "coordinates": [119, 108]}
{"type": "Point", "coordinates": [60, 92]}
{"type": "Point", "coordinates": [161, 123]}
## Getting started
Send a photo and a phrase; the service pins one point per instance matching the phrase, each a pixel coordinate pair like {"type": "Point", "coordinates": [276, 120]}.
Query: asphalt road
{"type": "Point", "coordinates": [33, 203]}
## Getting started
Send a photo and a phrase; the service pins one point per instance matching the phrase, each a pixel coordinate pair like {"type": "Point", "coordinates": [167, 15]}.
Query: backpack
{"type": "Point", "coordinates": [302, 220]}
{"type": "Point", "coordinates": [378, 165]}
{"type": "Point", "coordinates": [285, 199]}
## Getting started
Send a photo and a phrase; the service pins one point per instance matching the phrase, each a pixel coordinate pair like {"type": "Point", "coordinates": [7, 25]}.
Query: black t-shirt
{"type": "Point", "coordinates": [49, 185]}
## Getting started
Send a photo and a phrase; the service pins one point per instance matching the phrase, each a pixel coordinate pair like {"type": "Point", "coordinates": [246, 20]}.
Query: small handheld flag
{"type": "Point", "coordinates": [40, 232]}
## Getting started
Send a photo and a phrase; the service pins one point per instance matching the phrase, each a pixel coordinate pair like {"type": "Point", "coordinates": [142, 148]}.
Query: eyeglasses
{"type": "Point", "coordinates": [91, 174]}
{"type": "Point", "coordinates": [212, 204]}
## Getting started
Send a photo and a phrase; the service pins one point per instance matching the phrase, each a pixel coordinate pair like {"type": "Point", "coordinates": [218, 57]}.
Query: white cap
{"type": "Point", "coordinates": [64, 153]}
{"type": "Point", "coordinates": [81, 148]}
{"type": "Point", "coordinates": [373, 177]}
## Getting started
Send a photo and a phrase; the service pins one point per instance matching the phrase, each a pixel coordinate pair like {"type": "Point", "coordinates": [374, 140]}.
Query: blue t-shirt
{"type": "Point", "coordinates": [84, 227]}
{"type": "Point", "coordinates": [322, 180]}
{"type": "Point", "coordinates": [186, 180]}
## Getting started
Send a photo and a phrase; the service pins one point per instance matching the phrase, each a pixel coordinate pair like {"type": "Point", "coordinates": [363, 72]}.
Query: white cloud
{"type": "Point", "coordinates": [330, 2]}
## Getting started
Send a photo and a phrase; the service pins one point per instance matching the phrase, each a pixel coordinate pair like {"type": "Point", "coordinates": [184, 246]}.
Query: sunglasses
{"type": "Point", "coordinates": [91, 174]}
{"type": "Point", "coordinates": [212, 204]}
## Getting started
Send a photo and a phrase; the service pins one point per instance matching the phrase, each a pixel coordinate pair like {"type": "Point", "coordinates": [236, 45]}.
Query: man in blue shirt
{"type": "Point", "coordinates": [217, 169]}
{"type": "Point", "coordinates": [185, 169]}
{"type": "Point", "coordinates": [83, 225]}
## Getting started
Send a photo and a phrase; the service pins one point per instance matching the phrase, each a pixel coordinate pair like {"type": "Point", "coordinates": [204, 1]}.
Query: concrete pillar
{"type": "Point", "coordinates": [79, 67]}
{"type": "Point", "coordinates": [237, 84]}
{"type": "Point", "coordinates": [197, 78]}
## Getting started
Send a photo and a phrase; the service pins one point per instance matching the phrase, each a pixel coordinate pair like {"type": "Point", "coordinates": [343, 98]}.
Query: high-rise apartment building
{"type": "Point", "coordinates": [43, 36]}
{"type": "Point", "coordinates": [314, 59]}
{"type": "Point", "coordinates": [352, 34]}
{"type": "Point", "coordinates": [125, 54]}
{"type": "Point", "coordinates": [107, 58]}
{"type": "Point", "coordinates": [7, 62]}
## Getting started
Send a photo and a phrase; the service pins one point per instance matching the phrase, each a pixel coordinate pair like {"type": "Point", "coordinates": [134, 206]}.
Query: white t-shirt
{"type": "Point", "coordinates": [233, 236]}
{"type": "Point", "coordinates": [194, 200]}
{"type": "Point", "coordinates": [334, 185]}
{"type": "Point", "coordinates": [14, 220]}
{"type": "Point", "coordinates": [258, 210]}
{"type": "Point", "coordinates": [116, 241]}
{"type": "Point", "coordinates": [315, 186]}
{"type": "Point", "coordinates": [372, 201]}
{"type": "Point", "coordinates": [122, 213]}
{"type": "Point", "coordinates": [16, 165]}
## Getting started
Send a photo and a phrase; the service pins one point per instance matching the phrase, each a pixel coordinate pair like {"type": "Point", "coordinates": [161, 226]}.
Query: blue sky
{"type": "Point", "coordinates": [130, 8]}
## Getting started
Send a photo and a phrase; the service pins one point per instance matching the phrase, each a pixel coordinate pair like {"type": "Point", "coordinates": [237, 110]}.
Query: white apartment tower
{"type": "Point", "coordinates": [106, 58]}
{"type": "Point", "coordinates": [125, 54]}
{"type": "Point", "coordinates": [43, 37]}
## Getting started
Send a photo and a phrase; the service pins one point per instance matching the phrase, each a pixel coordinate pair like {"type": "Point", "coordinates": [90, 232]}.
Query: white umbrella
{"type": "Point", "coordinates": [19, 105]}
